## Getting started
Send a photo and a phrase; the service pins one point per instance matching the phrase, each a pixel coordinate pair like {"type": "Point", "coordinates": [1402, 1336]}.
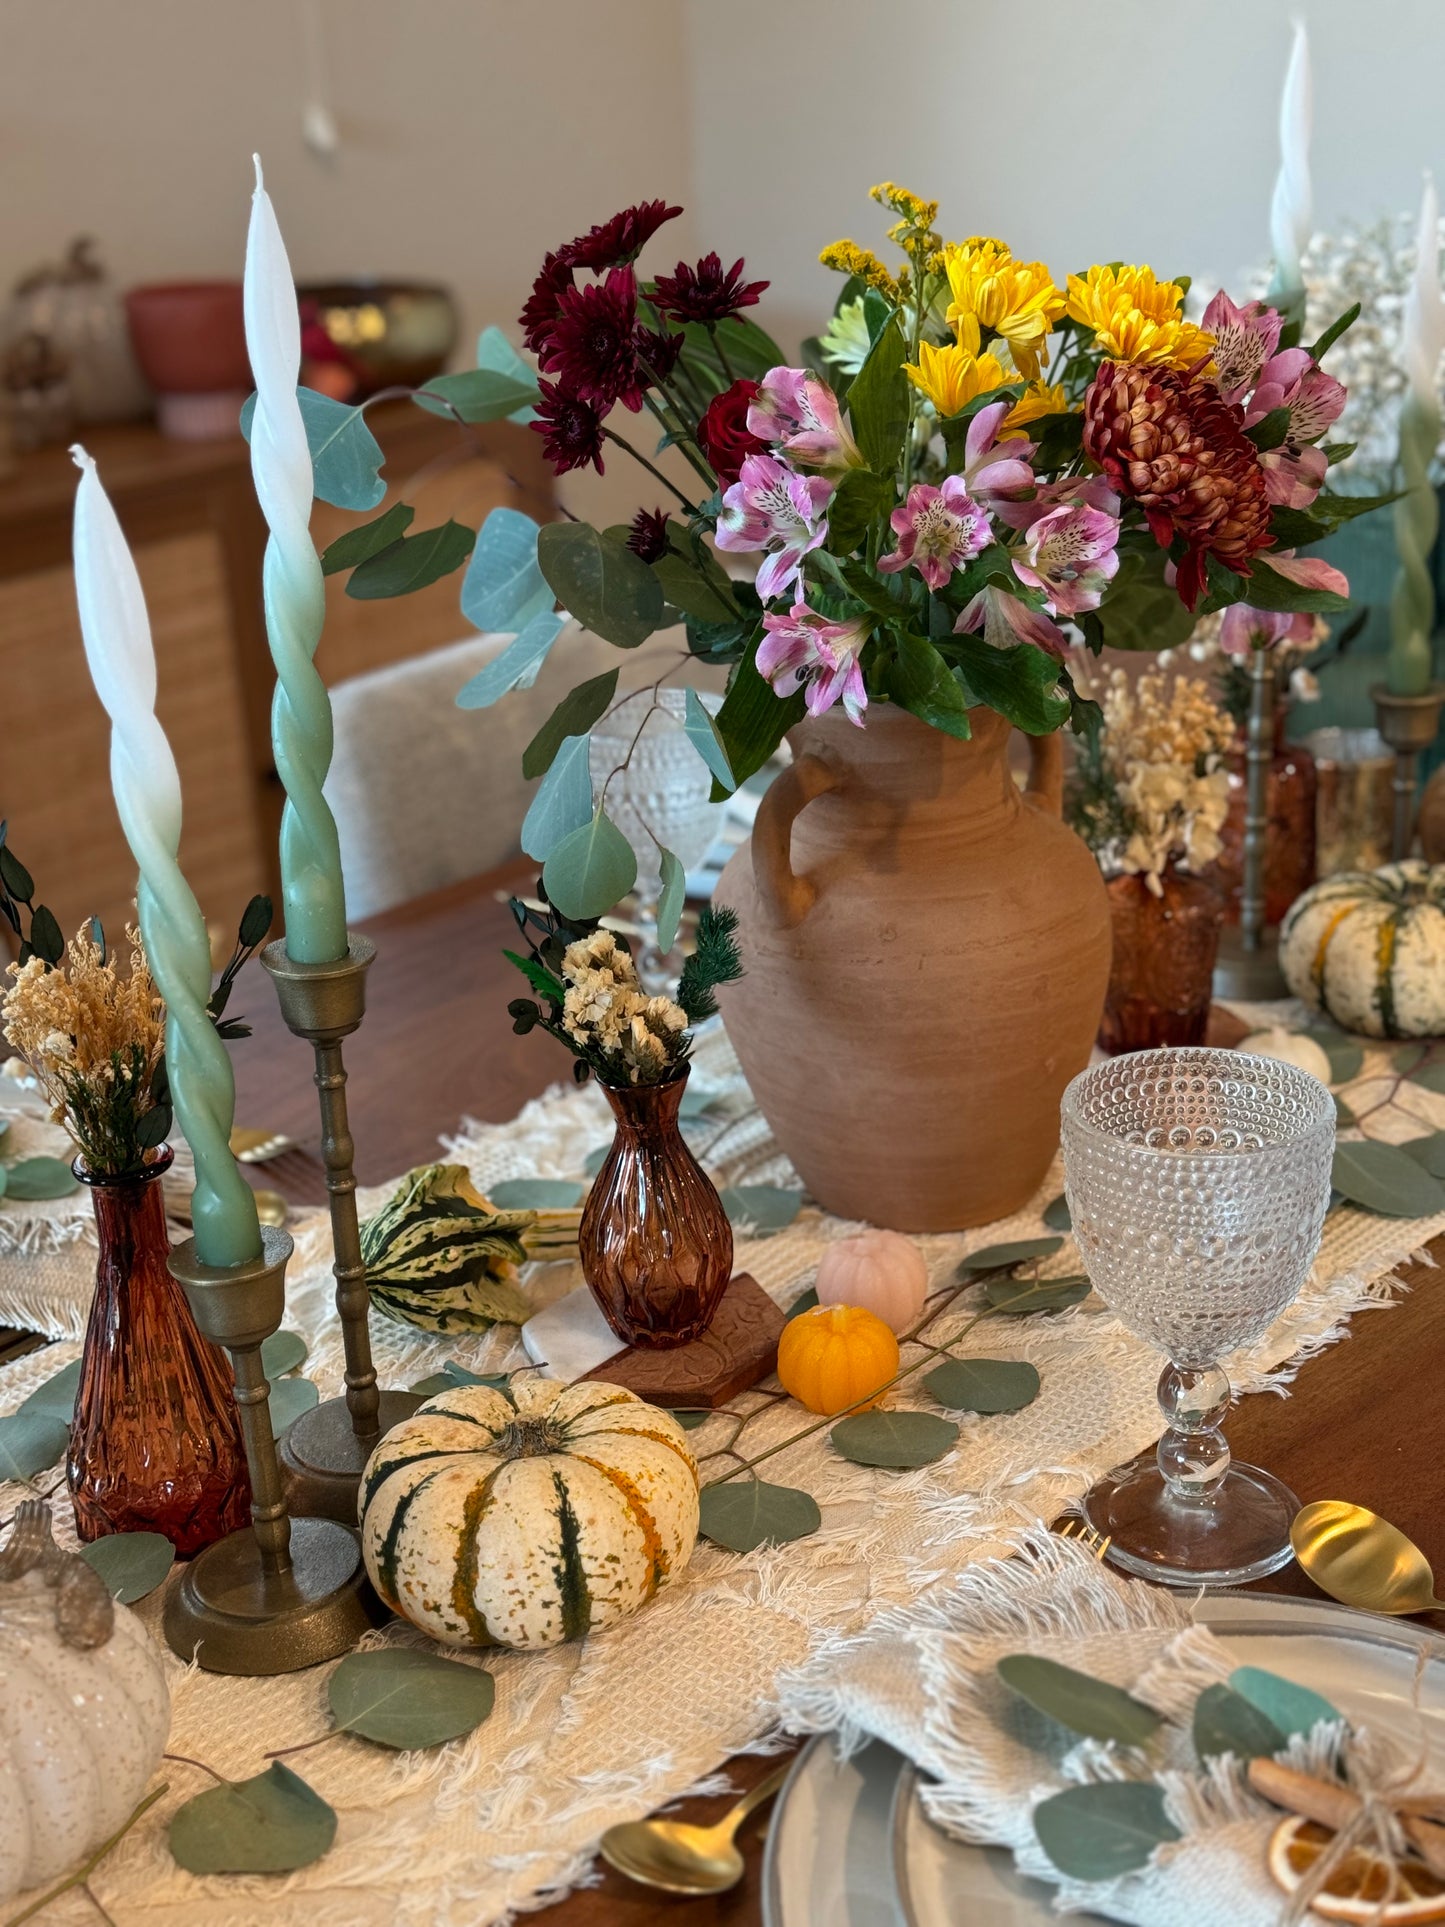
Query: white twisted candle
{"type": "Point", "coordinates": [1291, 215]}
{"type": "Point", "coordinates": [147, 789]}
{"type": "Point", "coordinates": [311, 887]}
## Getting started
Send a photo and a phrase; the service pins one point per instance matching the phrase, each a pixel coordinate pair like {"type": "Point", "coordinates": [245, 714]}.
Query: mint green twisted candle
{"type": "Point", "coordinates": [294, 590]}
{"type": "Point", "coordinates": [122, 661]}
{"type": "Point", "coordinates": [1409, 671]}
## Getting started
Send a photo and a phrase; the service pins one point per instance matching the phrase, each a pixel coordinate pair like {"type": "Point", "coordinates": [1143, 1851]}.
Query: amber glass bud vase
{"type": "Point", "coordinates": [155, 1444]}
{"type": "Point", "coordinates": [656, 1245]}
{"type": "Point", "coordinates": [1164, 950]}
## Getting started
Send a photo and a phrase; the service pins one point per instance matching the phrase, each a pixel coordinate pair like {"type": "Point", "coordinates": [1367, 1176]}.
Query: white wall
{"type": "Point", "coordinates": [1077, 130]}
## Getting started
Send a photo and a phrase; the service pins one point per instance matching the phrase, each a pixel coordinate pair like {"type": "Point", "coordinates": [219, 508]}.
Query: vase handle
{"type": "Point", "coordinates": [786, 897]}
{"type": "Point", "coordinates": [1045, 787]}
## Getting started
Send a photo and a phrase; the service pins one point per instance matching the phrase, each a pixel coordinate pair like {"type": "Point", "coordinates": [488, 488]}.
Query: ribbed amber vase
{"type": "Point", "coordinates": [656, 1245]}
{"type": "Point", "coordinates": [155, 1444]}
{"type": "Point", "coordinates": [1164, 949]}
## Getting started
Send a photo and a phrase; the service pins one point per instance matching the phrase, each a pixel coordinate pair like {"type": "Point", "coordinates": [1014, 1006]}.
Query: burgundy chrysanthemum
{"type": "Point", "coordinates": [658, 351]}
{"type": "Point", "coordinates": [648, 537]}
{"type": "Point", "coordinates": [570, 427]}
{"type": "Point", "coordinates": [620, 240]}
{"type": "Point", "coordinates": [540, 312]}
{"type": "Point", "coordinates": [705, 293]}
{"type": "Point", "coordinates": [591, 347]}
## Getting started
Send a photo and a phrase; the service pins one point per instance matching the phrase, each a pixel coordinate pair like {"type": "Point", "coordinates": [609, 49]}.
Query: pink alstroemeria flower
{"type": "Point", "coordinates": [803, 416]}
{"type": "Point", "coordinates": [1006, 619]}
{"type": "Point", "coordinates": [1244, 340]}
{"type": "Point", "coordinates": [769, 507]}
{"type": "Point", "coordinates": [804, 650]}
{"type": "Point", "coordinates": [1294, 472]}
{"type": "Point", "coordinates": [1244, 628]}
{"type": "Point", "coordinates": [996, 472]}
{"type": "Point", "coordinates": [938, 530]}
{"type": "Point", "coordinates": [1071, 555]}
{"type": "Point", "coordinates": [1072, 491]}
{"type": "Point", "coordinates": [1309, 571]}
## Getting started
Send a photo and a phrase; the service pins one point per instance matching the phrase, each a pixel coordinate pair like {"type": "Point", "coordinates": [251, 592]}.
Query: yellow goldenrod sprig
{"type": "Point", "coordinates": [846, 257]}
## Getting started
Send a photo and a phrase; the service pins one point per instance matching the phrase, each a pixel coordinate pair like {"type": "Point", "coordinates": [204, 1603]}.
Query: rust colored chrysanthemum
{"type": "Point", "coordinates": [1170, 443]}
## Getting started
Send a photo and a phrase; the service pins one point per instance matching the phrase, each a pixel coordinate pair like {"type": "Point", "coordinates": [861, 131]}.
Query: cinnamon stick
{"type": "Point", "coordinates": [1331, 1805]}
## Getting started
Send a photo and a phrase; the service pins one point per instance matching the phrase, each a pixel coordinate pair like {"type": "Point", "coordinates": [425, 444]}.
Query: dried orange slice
{"type": "Point", "coordinates": [1358, 1885]}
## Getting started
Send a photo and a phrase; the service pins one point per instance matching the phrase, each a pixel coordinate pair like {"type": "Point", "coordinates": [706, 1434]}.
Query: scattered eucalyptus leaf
{"type": "Point", "coordinates": [1019, 1297]}
{"type": "Point", "coordinates": [30, 1442]}
{"type": "Point", "coordinates": [40, 1178]}
{"type": "Point", "coordinates": [805, 1301]}
{"type": "Point", "coordinates": [1386, 1179]}
{"type": "Point", "coordinates": [596, 1158]}
{"type": "Point", "coordinates": [743, 1514]}
{"type": "Point", "coordinates": [1345, 1055]}
{"type": "Point", "coordinates": [671, 897]}
{"type": "Point", "coordinates": [761, 1208]}
{"type": "Point", "coordinates": [1343, 1112]}
{"type": "Point", "coordinates": [290, 1397]}
{"type": "Point", "coordinates": [1430, 1076]}
{"type": "Point", "coordinates": [1057, 1215]}
{"type": "Point", "coordinates": [1291, 1708]}
{"type": "Point", "coordinates": [1429, 1152]}
{"type": "Point", "coordinates": [406, 1699]}
{"type": "Point", "coordinates": [988, 1385]}
{"type": "Point", "coordinates": [1077, 1700]}
{"type": "Point", "coordinates": [901, 1440]}
{"type": "Point", "coordinates": [1226, 1722]}
{"type": "Point", "coordinates": [697, 1102]}
{"type": "Point", "coordinates": [1108, 1828]}
{"type": "Point", "coordinates": [688, 1417]}
{"type": "Point", "coordinates": [273, 1823]}
{"type": "Point", "coordinates": [1001, 1257]}
{"type": "Point", "coordinates": [282, 1352]}
{"type": "Point", "coordinates": [536, 1194]}
{"type": "Point", "coordinates": [4, 1127]}
{"type": "Point", "coordinates": [56, 1397]}
{"type": "Point", "coordinates": [451, 1375]}
{"type": "Point", "coordinates": [131, 1563]}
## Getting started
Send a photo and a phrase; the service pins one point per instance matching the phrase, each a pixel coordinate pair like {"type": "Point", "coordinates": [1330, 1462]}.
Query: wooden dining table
{"type": "Point", "coordinates": [1364, 1420]}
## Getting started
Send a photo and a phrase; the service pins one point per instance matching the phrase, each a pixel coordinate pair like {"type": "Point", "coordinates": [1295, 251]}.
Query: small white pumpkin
{"type": "Point", "coordinates": [1367, 947]}
{"type": "Point", "coordinates": [492, 1524]}
{"type": "Point", "coordinates": [878, 1271]}
{"type": "Point", "coordinates": [84, 1707]}
{"type": "Point", "coordinates": [1289, 1047]}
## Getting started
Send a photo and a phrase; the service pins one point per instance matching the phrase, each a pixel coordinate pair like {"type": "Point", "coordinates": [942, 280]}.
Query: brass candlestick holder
{"type": "Point", "coordinates": [284, 1594]}
{"type": "Point", "coordinates": [1248, 966]}
{"type": "Point", "coordinates": [1408, 724]}
{"type": "Point", "coordinates": [325, 1450]}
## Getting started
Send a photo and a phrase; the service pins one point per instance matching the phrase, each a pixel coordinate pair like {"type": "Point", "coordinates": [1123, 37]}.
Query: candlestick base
{"type": "Point", "coordinates": [1249, 976]}
{"type": "Point", "coordinates": [323, 1457]}
{"type": "Point", "coordinates": [1409, 725]}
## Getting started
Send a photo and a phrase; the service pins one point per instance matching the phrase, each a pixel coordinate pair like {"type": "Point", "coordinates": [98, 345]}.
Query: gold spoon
{"type": "Point", "coordinates": [682, 1859]}
{"type": "Point", "coordinates": [272, 1208]}
{"type": "Point", "coordinates": [1362, 1560]}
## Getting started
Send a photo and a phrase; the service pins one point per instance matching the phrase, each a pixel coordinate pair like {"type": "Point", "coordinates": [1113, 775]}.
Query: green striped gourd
{"type": "Point", "coordinates": [440, 1256]}
{"type": "Point", "coordinates": [1367, 947]}
{"type": "Point", "coordinates": [492, 1524]}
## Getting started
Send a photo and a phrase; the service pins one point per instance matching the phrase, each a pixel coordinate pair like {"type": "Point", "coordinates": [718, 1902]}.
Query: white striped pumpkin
{"type": "Point", "coordinates": [491, 1524]}
{"type": "Point", "coordinates": [1367, 947]}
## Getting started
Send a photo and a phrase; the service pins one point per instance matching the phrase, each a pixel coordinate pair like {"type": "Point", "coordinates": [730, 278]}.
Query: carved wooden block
{"type": "Point", "coordinates": [738, 1348]}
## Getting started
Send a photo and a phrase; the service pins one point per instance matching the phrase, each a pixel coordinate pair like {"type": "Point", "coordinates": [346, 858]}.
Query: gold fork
{"type": "Point", "coordinates": [1085, 1535]}
{"type": "Point", "coordinates": [258, 1147]}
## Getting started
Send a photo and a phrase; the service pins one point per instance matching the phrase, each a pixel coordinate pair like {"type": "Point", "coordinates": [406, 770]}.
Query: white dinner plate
{"type": "Point", "coordinates": [850, 1845]}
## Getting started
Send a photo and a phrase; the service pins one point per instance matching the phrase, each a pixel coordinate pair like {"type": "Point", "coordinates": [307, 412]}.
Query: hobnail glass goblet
{"type": "Point", "coordinates": [1198, 1182]}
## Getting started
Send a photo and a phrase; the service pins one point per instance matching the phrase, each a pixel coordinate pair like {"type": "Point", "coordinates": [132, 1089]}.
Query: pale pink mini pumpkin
{"type": "Point", "coordinates": [879, 1271]}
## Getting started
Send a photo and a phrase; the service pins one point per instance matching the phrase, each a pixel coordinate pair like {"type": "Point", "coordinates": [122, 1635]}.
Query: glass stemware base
{"type": "Point", "coordinates": [1236, 1532]}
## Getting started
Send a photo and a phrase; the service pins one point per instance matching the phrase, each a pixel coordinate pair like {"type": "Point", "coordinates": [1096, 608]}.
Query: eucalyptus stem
{"type": "Point", "coordinates": [682, 437]}
{"type": "Point", "coordinates": [87, 1868]}
{"type": "Point", "coordinates": [638, 456]}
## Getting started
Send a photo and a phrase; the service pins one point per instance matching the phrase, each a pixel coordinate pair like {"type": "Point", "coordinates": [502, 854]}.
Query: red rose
{"type": "Point", "coordinates": [723, 431]}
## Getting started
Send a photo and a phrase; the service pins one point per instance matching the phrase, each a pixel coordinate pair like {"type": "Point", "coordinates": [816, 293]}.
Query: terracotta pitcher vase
{"type": "Point", "coordinates": [926, 956]}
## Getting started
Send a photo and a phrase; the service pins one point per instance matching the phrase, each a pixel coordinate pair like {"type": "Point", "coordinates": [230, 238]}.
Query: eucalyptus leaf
{"type": "Point", "coordinates": [496, 353]}
{"type": "Point", "coordinates": [1343, 1114]}
{"type": "Point", "coordinates": [30, 1442]}
{"type": "Point", "coordinates": [805, 1301]}
{"type": "Point", "coordinates": [4, 1122]}
{"type": "Point", "coordinates": [504, 588]}
{"type": "Point", "coordinates": [670, 898]}
{"type": "Point", "coordinates": [536, 1194]}
{"type": "Point", "coordinates": [40, 1178]}
{"type": "Point", "coordinates": [563, 802]}
{"type": "Point", "coordinates": [1226, 1722]}
{"type": "Point", "coordinates": [704, 738]}
{"type": "Point", "coordinates": [478, 394]}
{"type": "Point", "coordinates": [595, 1159]}
{"type": "Point", "coordinates": [515, 667]}
{"type": "Point", "coordinates": [451, 1375]}
{"type": "Point", "coordinates": [590, 870]}
{"type": "Point", "coordinates": [414, 562]}
{"type": "Point", "coordinates": [132, 1564]}
{"type": "Point", "coordinates": [605, 586]}
{"type": "Point", "coordinates": [1020, 1297]}
{"type": "Point", "coordinates": [1057, 1215]}
{"type": "Point", "coordinates": [578, 710]}
{"type": "Point", "coordinates": [273, 1823]}
{"type": "Point", "coordinates": [1428, 1151]}
{"type": "Point", "coordinates": [346, 457]}
{"type": "Point", "coordinates": [1108, 1828]}
{"type": "Point", "coordinates": [902, 1440]}
{"type": "Point", "coordinates": [988, 1385]}
{"type": "Point", "coordinates": [689, 1418]}
{"type": "Point", "coordinates": [1386, 1179]}
{"type": "Point", "coordinates": [1345, 1054]}
{"type": "Point", "coordinates": [743, 1514]}
{"type": "Point", "coordinates": [405, 1699]}
{"type": "Point", "coordinates": [358, 545]}
{"type": "Point", "coordinates": [290, 1397]}
{"type": "Point", "coordinates": [1000, 1257]}
{"type": "Point", "coordinates": [1428, 1073]}
{"type": "Point", "coordinates": [282, 1352]}
{"type": "Point", "coordinates": [761, 1208]}
{"type": "Point", "coordinates": [56, 1397]}
{"type": "Point", "coordinates": [1290, 1708]}
{"type": "Point", "coordinates": [1077, 1700]}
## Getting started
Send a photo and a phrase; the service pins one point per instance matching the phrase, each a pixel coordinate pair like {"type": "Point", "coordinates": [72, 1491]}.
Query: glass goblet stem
{"type": "Point", "coordinates": [1193, 1453]}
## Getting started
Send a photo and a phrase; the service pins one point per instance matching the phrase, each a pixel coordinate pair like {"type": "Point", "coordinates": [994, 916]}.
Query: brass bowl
{"type": "Point", "coordinates": [385, 332]}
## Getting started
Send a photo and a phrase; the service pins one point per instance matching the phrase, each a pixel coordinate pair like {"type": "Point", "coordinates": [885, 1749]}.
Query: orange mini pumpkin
{"type": "Point", "coordinates": [832, 1357]}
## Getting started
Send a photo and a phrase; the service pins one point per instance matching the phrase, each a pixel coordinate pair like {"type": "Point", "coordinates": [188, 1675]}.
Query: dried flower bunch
{"type": "Point", "coordinates": [1153, 789]}
{"type": "Point", "coordinates": [595, 1003]}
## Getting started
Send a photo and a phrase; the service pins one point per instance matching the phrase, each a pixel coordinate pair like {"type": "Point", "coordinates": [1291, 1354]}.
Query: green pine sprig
{"type": "Point", "coordinates": [716, 960]}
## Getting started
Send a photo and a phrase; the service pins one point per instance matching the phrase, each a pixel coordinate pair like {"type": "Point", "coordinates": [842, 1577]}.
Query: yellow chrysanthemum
{"type": "Point", "coordinates": [1038, 399]}
{"type": "Point", "coordinates": [846, 257]}
{"type": "Point", "coordinates": [1136, 317]}
{"type": "Point", "coordinates": [1016, 300]}
{"type": "Point", "coordinates": [951, 377]}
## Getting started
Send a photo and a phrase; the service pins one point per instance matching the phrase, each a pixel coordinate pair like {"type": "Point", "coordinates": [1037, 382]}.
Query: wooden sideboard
{"type": "Point", "coordinates": [190, 514]}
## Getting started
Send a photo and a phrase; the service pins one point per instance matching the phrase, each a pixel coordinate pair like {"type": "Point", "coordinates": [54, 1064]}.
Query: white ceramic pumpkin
{"type": "Point", "coordinates": [1288, 1047]}
{"type": "Point", "coordinates": [1367, 947]}
{"type": "Point", "coordinates": [878, 1271]}
{"type": "Point", "coordinates": [84, 1708]}
{"type": "Point", "coordinates": [489, 1524]}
